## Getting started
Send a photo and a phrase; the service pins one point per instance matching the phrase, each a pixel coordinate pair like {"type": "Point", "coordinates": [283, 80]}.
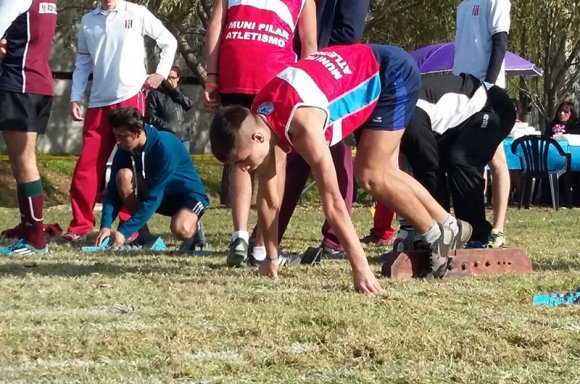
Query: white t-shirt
{"type": "Point", "coordinates": [9, 11]}
{"type": "Point", "coordinates": [111, 46]}
{"type": "Point", "coordinates": [477, 22]}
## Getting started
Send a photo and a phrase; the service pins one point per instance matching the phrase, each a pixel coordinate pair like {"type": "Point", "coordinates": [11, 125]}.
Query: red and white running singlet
{"type": "Point", "coordinates": [344, 81]}
{"type": "Point", "coordinates": [256, 43]}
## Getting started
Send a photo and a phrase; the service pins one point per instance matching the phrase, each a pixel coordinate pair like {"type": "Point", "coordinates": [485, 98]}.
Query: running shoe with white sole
{"type": "Point", "coordinates": [22, 248]}
{"type": "Point", "coordinates": [437, 253]}
{"type": "Point", "coordinates": [496, 239]}
{"type": "Point", "coordinates": [464, 234]}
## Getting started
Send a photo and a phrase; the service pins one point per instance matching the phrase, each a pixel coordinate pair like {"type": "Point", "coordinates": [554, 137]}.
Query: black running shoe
{"type": "Point", "coordinates": [238, 253]}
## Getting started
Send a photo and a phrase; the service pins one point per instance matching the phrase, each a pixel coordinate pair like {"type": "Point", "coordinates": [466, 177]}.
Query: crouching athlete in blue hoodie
{"type": "Point", "coordinates": [151, 172]}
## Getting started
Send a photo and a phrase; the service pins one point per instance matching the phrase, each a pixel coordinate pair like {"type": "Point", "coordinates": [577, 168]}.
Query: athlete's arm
{"type": "Point", "coordinates": [309, 142]}
{"type": "Point", "coordinates": [154, 28]}
{"type": "Point", "coordinates": [213, 39]}
{"type": "Point", "coordinates": [80, 76]}
{"type": "Point", "coordinates": [307, 29]}
{"type": "Point", "coordinates": [499, 23]}
{"type": "Point", "coordinates": [499, 44]}
{"type": "Point", "coordinates": [271, 176]}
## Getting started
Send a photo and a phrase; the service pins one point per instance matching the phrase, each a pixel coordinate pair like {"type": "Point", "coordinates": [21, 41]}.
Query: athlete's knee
{"type": "Point", "coordinates": [369, 180]}
{"type": "Point", "coordinates": [184, 229]}
{"type": "Point", "coordinates": [124, 176]}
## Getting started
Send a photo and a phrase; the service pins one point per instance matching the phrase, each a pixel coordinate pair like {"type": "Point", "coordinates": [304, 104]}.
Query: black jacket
{"type": "Point", "coordinates": [166, 111]}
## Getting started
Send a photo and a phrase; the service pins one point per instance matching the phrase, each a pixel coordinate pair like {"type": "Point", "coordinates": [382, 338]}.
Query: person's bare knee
{"type": "Point", "coordinates": [370, 180]}
{"type": "Point", "coordinates": [125, 183]}
{"type": "Point", "coordinates": [184, 226]}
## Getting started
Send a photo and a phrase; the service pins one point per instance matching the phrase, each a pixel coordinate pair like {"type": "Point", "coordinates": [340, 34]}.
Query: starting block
{"type": "Point", "coordinates": [462, 262]}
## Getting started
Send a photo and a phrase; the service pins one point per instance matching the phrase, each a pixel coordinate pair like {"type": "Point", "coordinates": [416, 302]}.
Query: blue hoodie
{"type": "Point", "coordinates": [168, 171]}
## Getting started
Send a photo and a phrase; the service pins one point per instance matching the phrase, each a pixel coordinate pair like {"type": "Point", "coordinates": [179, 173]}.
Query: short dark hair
{"type": "Point", "coordinates": [224, 129]}
{"type": "Point", "coordinates": [126, 117]}
{"type": "Point", "coordinates": [176, 69]}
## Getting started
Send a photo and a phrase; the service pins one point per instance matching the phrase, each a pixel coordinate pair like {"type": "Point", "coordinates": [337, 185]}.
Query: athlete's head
{"type": "Point", "coordinates": [127, 125]}
{"type": "Point", "coordinates": [239, 137]}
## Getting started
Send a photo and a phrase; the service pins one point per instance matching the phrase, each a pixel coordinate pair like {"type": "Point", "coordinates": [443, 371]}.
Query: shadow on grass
{"type": "Point", "coordinates": [76, 270]}
{"type": "Point", "coordinates": [556, 265]}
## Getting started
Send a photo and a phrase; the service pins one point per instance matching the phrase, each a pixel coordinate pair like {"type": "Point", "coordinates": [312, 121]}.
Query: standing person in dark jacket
{"type": "Point", "coordinates": [151, 173]}
{"type": "Point", "coordinates": [166, 107]}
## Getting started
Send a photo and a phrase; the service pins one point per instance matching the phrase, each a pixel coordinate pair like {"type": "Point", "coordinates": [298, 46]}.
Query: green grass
{"type": "Point", "coordinates": [144, 318]}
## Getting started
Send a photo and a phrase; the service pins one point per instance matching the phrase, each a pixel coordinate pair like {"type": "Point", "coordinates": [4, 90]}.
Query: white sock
{"type": "Point", "coordinates": [245, 235]}
{"type": "Point", "coordinates": [451, 222]}
{"type": "Point", "coordinates": [432, 234]}
{"type": "Point", "coordinates": [259, 253]}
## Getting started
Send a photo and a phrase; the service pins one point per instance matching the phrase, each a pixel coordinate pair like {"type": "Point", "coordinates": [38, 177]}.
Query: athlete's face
{"type": "Point", "coordinates": [109, 4]}
{"type": "Point", "coordinates": [127, 139]}
{"type": "Point", "coordinates": [251, 151]}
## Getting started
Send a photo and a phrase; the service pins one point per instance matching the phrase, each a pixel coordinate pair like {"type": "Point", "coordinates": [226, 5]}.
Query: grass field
{"type": "Point", "coordinates": [69, 317]}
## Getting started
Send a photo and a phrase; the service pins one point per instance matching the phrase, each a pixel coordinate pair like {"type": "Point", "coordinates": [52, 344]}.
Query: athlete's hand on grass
{"type": "Point", "coordinates": [76, 111]}
{"type": "Point", "coordinates": [366, 282]}
{"type": "Point", "coordinates": [153, 81]}
{"type": "Point", "coordinates": [269, 267]}
{"type": "Point", "coordinates": [103, 234]}
{"type": "Point", "coordinates": [118, 239]}
{"type": "Point", "coordinates": [3, 48]}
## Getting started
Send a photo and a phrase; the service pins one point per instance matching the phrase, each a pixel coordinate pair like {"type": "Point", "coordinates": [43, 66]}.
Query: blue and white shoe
{"type": "Point", "coordinates": [21, 248]}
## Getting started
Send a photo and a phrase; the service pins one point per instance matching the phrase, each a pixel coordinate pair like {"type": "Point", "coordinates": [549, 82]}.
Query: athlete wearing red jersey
{"type": "Point", "coordinates": [317, 102]}
{"type": "Point", "coordinates": [248, 42]}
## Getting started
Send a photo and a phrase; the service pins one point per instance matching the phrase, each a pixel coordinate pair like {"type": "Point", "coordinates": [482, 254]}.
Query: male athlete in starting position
{"type": "Point", "coordinates": [315, 103]}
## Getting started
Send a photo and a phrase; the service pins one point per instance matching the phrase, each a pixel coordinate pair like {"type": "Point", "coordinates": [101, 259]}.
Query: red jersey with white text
{"type": "Point", "coordinates": [343, 81]}
{"type": "Point", "coordinates": [256, 43]}
{"type": "Point", "coordinates": [25, 67]}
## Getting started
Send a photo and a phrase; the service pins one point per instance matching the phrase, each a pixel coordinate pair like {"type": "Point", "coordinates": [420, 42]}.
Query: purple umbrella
{"type": "Point", "coordinates": [439, 58]}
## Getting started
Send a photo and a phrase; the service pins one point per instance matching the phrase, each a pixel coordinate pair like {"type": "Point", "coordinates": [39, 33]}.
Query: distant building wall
{"type": "Point", "coordinates": [63, 136]}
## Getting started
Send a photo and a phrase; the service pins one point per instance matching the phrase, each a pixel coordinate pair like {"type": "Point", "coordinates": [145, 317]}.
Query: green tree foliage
{"type": "Point", "coordinates": [546, 32]}
{"type": "Point", "coordinates": [411, 24]}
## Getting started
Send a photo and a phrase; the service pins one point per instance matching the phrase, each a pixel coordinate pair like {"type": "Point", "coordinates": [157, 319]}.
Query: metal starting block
{"type": "Point", "coordinates": [462, 262]}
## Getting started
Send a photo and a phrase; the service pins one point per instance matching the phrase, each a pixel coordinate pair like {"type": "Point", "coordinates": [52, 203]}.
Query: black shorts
{"type": "Point", "coordinates": [173, 204]}
{"type": "Point", "coordinates": [24, 112]}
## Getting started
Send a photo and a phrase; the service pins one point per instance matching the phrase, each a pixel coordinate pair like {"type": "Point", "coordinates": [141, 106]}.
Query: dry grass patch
{"type": "Point", "coordinates": [146, 318]}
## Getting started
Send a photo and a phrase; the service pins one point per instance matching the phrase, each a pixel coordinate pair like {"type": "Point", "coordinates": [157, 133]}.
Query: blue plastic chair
{"type": "Point", "coordinates": [540, 157]}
